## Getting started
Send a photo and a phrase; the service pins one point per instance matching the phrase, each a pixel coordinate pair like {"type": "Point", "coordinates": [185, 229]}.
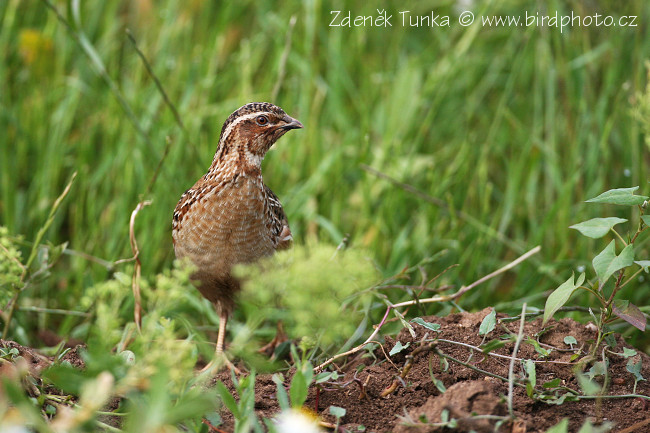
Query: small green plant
{"type": "Point", "coordinates": [300, 383]}
{"type": "Point", "coordinates": [19, 276]}
{"type": "Point", "coordinates": [315, 289]}
{"type": "Point", "coordinates": [243, 410]}
{"type": "Point", "coordinates": [634, 365]}
{"type": "Point", "coordinates": [608, 266]}
{"type": "Point", "coordinates": [339, 413]}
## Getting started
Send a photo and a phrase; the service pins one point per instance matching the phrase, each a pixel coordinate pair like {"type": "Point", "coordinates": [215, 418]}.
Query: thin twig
{"type": "Point", "coordinates": [390, 307]}
{"type": "Point", "coordinates": [407, 287]}
{"type": "Point", "coordinates": [470, 366]}
{"type": "Point", "coordinates": [592, 397]}
{"type": "Point", "coordinates": [617, 287]}
{"type": "Point", "coordinates": [632, 277]}
{"type": "Point", "coordinates": [155, 79]}
{"type": "Point", "coordinates": [154, 177]}
{"type": "Point", "coordinates": [511, 369]}
{"type": "Point", "coordinates": [464, 289]}
{"type": "Point", "coordinates": [498, 355]}
{"type": "Point", "coordinates": [135, 280]}
{"type": "Point", "coordinates": [137, 310]}
{"type": "Point", "coordinates": [408, 364]}
{"type": "Point", "coordinates": [357, 348]}
{"type": "Point", "coordinates": [620, 238]}
{"type": "Point", "coordinates": [32, 309]}
{"type": "Point", "coordinates": [67, 251]}
{"type": "Point", "coordinates": [104, 263]}
{"type": "Point", "coordinates": [533, 314]}
{"type": "Point", "coordinates": [636, 427]}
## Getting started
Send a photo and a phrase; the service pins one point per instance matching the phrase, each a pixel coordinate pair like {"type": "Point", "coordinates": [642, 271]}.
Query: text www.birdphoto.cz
{"type": "Point", "coordinates": [466, 18]}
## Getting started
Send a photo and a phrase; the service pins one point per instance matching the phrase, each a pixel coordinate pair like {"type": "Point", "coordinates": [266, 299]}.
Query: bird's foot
{"type": "Point", "coordinates": [280, 337]}
{"type": "Point", "coordinates": [220, 360]}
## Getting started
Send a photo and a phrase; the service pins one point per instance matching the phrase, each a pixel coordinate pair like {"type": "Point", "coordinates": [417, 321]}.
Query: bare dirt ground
{"type": "Point", "coordinates": [470, 392]}
{"type": "Point", "coordinates": [379, 397]}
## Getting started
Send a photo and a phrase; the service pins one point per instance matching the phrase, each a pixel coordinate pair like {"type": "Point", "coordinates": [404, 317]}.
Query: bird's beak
{"type": "Point", "coordinates": [291, 124]}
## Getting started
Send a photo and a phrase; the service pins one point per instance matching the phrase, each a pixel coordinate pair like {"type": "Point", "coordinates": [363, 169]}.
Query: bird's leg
{"type": "Point", "coordinates": [223, 320]}
{"type": "Point", "coordinates": [219, 354]}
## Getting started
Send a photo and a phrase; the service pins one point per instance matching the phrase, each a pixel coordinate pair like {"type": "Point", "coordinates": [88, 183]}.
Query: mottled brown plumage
{"type": "Point", "coordinates": [230, 216]}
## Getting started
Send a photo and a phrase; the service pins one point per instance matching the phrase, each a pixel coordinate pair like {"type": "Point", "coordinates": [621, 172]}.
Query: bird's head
{"type": "Point", "coordinates": [250, 131]}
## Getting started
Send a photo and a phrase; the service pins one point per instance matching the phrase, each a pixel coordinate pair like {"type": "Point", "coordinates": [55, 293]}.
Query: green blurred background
{"type": "Point", "coordinates": [515, 127]}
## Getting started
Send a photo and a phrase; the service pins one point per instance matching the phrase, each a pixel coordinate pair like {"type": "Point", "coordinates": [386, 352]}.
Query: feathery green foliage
{"type": "Point", "coordinates": [319, 289]}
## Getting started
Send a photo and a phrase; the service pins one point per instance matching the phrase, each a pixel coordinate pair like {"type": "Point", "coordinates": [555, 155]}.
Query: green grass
{"type": "Point", "coordinates": [515, 127]}
{"type": "Point", "coordinates": [509, 130]}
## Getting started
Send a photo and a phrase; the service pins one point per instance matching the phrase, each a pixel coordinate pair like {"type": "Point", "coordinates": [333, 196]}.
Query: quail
{"type": "Point", "coordinates": [230, 216]}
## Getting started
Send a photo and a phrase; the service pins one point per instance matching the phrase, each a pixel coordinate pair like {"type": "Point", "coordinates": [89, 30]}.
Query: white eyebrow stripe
{"type": "Point", "coordinates": [237, 121]}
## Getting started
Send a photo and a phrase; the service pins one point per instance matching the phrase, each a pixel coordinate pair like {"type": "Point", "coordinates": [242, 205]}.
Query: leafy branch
{"type": "Point", "coordinates": [608, 264]}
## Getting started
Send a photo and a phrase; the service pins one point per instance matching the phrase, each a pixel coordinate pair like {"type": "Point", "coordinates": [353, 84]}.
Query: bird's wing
{"type": "Point", "coordinates": [279, 223]}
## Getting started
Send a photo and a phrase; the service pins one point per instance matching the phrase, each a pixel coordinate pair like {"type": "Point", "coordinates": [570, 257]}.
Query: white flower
{"type": "Point", "coordinates": [296, 421]}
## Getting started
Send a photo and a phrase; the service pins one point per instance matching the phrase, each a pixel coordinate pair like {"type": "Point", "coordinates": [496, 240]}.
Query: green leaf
{"type": "Point", "coordinates": [561, 427]}
{"type": "Point", "coordinates": [405, 324]}
{"type": "Point", "coordinates": [646, 219]}
{"type": "Point", "coordinates": [495, 344]}
{"type": "Point", "coordinates": [620, 196]}
{"type": "Point", "coordinates": [228, 399]}
{"type": "Point", "coordinates": [488, 324]}
{"type": "Point", "coordinates": [56, 251]}
{"type": "Point", "coordinates": [597, 227]}
{"type": "Point", "coordinates": [570, 340]}
{"type": "Point", "coordinates": [559, 400]}
{"type": "Point", "coordinates": [588, 427]}
{"type": "Point", "coordinates": [552, 383]}
{"type": "Point", "coordinates": [128, 357]}
{"type": "Point", "coordinates": [50, 410]}
{"type": "Point", "coordinates": [338, 412]}
{"type": "Point", "coordinates": [67, 378]}
{"type": "Point", "coordinates": [558, 298]}
{"type": "Point", "coordinates": [630, 313]}
{"type": "Point", "coordinates": [544, 353]}
{"type": "Point", "coordinates": [529, 365]}
{"type": "Point", "coordinates": [437, 382]}
{"type": "Point", "coordinates": [194, 403]}
{"type": "Point", "coordinates": [283, 398]}
{"type": "Point", "coordinates": [608, 335]}
{"type": "Point", "coordinates": [325, 376]}
{"type": "Point", "coordinates": [598, 369]}
{"type": "Point", "coordinates": [627, 353]}
{"type": "Point", "coordinates": [428, 325]}
{"type": "Point", "coordinates": [214, 418]}
{"type": "Point", "coordinates": [587, 385]}
{"type": "Point", "coordinates": [645, 264]}
{"type": "Point", "coordinates": [398, 348]}
{"type": "Point", "coordinates": [635, 369]}
{"type": "Point", "coordinates": [300, 384]}
{"type": "Point", "coordinates": [607, 262]}
{"type": "Point", "coordinates": [440, 386]}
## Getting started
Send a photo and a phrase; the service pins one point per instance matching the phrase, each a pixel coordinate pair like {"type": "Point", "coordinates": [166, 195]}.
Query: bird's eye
{"type": "Point", "coordinates": [262, 120]}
